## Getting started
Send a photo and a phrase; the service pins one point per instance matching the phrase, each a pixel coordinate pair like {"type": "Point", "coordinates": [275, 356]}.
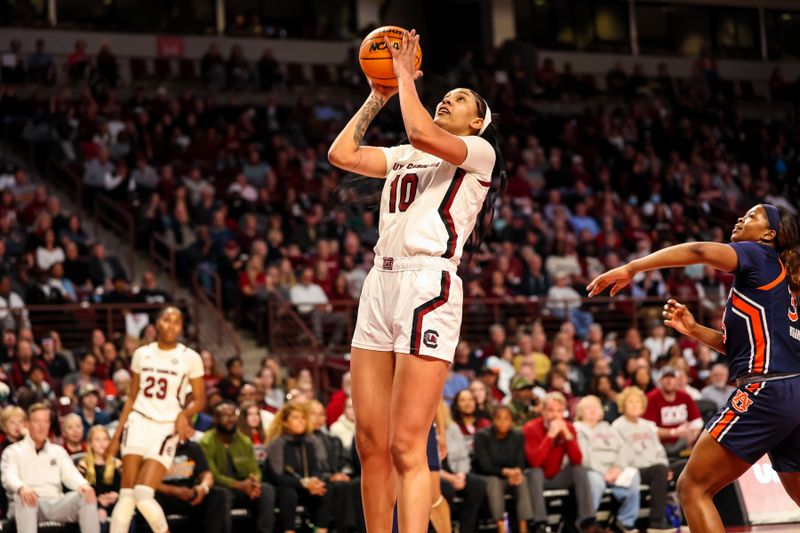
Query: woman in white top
{"type": "Point", "coordinates": [607, 458]}
{"type": "Point", "coordinates": [640, 436]}
{"type": "Point", "coordinates": [437, 190]}
{"type": "Point", "coordinates": [48, 253]}
{"type": "Point", "coordinates": [155, 417]}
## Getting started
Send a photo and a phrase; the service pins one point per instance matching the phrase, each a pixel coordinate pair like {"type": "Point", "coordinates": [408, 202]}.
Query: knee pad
{"type": "Point", "coordinates": [123, 512]}
{"type": "Point", "coordinates": [148, 506]}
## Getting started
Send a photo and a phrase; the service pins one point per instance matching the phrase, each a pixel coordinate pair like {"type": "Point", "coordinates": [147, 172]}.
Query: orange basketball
{"type": "Point", "coordinates": [375, 58]}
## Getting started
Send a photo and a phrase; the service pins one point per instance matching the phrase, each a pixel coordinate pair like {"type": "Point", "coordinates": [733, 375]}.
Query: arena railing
{"type": "Point", "coordinates": [292, 340]}
{"type": "Point", "coordinates": [115, 217]}
{"type": "Point", "coordinates": [162, 255]}
{"type": "Point", "coordinates": [213, 331]}
{"type": "Point", "coordinates": [75, 322]}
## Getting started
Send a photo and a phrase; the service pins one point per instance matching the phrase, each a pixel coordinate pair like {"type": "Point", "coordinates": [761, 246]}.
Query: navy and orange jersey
{"type": "Point", "coordinates": [760, 325]}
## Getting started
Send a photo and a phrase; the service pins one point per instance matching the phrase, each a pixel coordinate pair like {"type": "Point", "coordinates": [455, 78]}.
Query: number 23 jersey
{"type": "Point", "coordinates": [429, 206]}
{"type": "Point", "coordinates": [164, 379]}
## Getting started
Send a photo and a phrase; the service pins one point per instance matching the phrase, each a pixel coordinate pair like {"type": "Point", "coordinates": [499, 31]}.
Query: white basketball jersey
{"type": "Point", "coordinates": [164, 379]}
{"type": "Point", "coordinates": [429, 206]}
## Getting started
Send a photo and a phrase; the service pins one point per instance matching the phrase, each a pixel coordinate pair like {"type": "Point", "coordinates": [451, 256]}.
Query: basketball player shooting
{"type": "Point", "coordinates": [436, 192]}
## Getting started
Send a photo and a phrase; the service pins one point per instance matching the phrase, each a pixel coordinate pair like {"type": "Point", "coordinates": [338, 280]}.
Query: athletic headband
{"type": "Point", "coordinates": [773, 216]}
{"type": "Point", "coordinates": [487, 118]}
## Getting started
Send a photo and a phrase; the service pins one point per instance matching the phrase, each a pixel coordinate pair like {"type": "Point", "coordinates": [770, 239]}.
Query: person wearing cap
{"type": "Point", "coordinates": [760, 339]}
{"type": "Point", "coordinates": [438, 195]}
{"type": "Point", "coordinates": [674, 412]}
{"type": "Point", "coordinates": [524, 402]}
{"type": "Point", "coordinates": [90, 413]}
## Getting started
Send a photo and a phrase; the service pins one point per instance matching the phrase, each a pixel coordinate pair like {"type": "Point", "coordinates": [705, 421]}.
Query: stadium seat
{"type": "Point", "coordinates": [322, 75]}
{"type": "Point", "coordinates": [187, 72]}
{"type": "Point", "coordinates": [139, 70]}
{"type": "Point", "coordinates": [295, 74]}
{"type": "Point", "coordinates": [163, 68]}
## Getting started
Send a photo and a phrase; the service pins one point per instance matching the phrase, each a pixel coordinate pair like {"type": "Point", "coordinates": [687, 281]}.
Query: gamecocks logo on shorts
{"type": "Point", "coordinates": [741, 401]}
{"type": "Point", "coordinates": [431, 338]}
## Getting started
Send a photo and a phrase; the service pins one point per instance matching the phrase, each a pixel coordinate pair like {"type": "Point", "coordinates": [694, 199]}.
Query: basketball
{"type": "Point", "coordinates": [376, 60]}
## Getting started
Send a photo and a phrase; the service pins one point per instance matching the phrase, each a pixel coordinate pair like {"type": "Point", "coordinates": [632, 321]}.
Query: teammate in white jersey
{"type": "Point", "coordinates": [437, 192]}
{"type": "Point", "coordinates": [154, 420]}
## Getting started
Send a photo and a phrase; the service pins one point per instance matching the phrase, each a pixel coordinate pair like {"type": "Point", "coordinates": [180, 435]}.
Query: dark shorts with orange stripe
{"type": "Point", "coordinates": [762, 418]}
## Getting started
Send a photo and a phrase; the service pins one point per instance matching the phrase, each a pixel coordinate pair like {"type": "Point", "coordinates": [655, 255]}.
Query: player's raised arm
{"type": "Point", "coordinates": [346, 151]}
{"type": "Point", "coordinates": [423, 133]}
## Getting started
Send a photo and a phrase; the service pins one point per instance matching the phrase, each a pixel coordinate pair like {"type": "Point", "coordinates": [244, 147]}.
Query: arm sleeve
{"type": "Point", "coordinates": [651, 413]}
{"type": "Point", "coordinates": [9, 471]}
{"type": "Point", "coordinates": [483, 458]}
{"type": "Point", "coordinates": [586, 448]}
{"type": "Point", "coordinates": [70, 476]}
{"type": "Point", "coordinates": [136, 361]}
{"type": "Point", "coordinates": [751, 262]}
{"type": "Point", "coordinates": [624, 452]}
{"type": "Point", "coordinates": [196, 369]}
{"type": "Point", "coordinates": [519, 451]}
{"type": "Point", "coordinates": [199, 458]}
{"type": "Point", "coordinates": [250, 455]}
{"type": "Point", "coordinates": [480, 157]}
{"type": "Point", "coordinates": [393, 153]}
{"type": "Point", "coordinates": [694, 412]}
{"type": "Point", "coordinates": [574, 449]}
{"type": "Point", "coordinates": [282, 478]}
{"type": "Point", "coordinates": [661, 452]}
{"type": "Point", "coordinates": [537, 448]}
{"type": "Point", "coordinates": [219, 478]}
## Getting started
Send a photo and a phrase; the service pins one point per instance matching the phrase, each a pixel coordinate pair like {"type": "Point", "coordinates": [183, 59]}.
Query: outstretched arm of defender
{"type": "Point", "coordinates": [716, 255]}
{"type": "Point", "coordinates": [346, 151]}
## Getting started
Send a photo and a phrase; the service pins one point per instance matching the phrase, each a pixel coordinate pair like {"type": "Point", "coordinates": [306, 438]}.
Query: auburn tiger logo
{"type": "Point", "coordinates": [793, 307]}
{"type": "Point", "coordinates": [741, 401]}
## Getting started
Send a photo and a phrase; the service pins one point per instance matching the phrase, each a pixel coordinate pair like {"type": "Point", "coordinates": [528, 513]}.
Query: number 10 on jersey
{"type": "Point", "coordinates": [407, 192]}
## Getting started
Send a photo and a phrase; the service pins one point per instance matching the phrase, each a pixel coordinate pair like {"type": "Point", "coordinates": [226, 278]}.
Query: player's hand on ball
{"type": "Point", "coordinates": [385, 91]}
{"type": "Point", "coordinates": [617, 279]}
{"type": "Point", "coordinates": [677, 316]}
{"type": "Point", "coordinates": [403, 58]}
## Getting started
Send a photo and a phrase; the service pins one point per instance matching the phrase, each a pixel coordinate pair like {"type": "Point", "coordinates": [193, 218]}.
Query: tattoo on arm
{"type": "Point", "coordinates": [365, 116]}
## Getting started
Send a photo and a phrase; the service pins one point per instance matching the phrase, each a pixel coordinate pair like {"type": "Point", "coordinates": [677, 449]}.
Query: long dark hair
{"type": "Point", "coordinates": [499, 179]}
{"type": "Point", "coordinates": [787, 244]}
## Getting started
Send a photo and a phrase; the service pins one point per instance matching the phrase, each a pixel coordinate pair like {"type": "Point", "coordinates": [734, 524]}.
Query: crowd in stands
{"type": "Point", "coordinates": [598, 426]}
{"type": "Point", "coordinates": [246, 193]}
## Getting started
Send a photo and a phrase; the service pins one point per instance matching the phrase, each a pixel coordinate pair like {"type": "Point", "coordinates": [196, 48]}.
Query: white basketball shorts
{"type": "Point", "coordinates": [149, 438]}
{"type": "Point", "coordinates": [410, 305]}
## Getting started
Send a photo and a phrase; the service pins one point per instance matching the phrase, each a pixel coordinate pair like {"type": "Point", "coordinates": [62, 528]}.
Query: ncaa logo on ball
{"type": "Point", "coordinates": [431, 338]}
{"type": "Point", "coordinates": [381, 45]}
